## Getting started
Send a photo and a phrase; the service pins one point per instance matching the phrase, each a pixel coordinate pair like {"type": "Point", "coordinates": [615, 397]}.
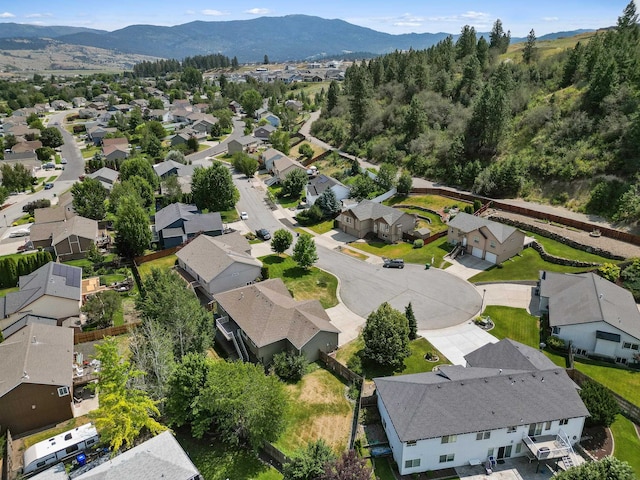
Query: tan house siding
{"type": "Point", "coordinates": [325, 341]}
{"type": "Point", "coordinates": [485, 240]}
{"type": "Point", "coordinates": [31, 406]}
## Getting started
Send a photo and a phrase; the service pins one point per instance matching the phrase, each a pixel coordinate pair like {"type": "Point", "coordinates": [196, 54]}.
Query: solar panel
{"type": "Point", "coordinates": [72, 275]}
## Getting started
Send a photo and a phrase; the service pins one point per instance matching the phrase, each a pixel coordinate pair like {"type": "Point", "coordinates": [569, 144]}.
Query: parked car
{"type": "Point", "coordinates": [63, 161]}
{"type": "Point", "coordinates": [244, 215]}
{"type": "Point", "coordinates": [24, 232]}
{"type": "Point", "coordinates": [48, 186]}
{"type": "Point", "coordinates": [49, 166]}
{"type": "Point", "coordinates": [263, 233]}
{"type": "Point", "coordinates": [393, 263]}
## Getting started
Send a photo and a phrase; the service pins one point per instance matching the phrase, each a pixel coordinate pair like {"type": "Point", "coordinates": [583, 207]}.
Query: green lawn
{"type": "Point", "coordinates": [318, 409]}
{"type": "Point", "coordinates": [4, 291]}
{"type": "Point", "coordinates": [90, 151]}
{"type": "Point", "coordinates": [217, 461]}
{"type": "Point", "coordinates": [436, 251]}
{"type": "Point", "coordinates": [624, 382]}
{"type": "Point", "coordinates": [51, 179]}
{"type": "Point", "coordinates": [626, 442]}
{"type": "Point", "coordinates": [110, 278]}
{"type": "Point", "coordinates": [514, 323]}
{"type": "Point", "coordinates": [162, 263]}
{"type": "Point", "coordinates": [435, 225]}
{"type": "Point", "coordinates": [285, 202]}
{"type": "Point", "coordinates": [322, 227]}
{"type": "Point", "coordinates": [382, 469]}
{"type": "Point", "coordinates": [525, 266]}
{"type": "Point", "coordinates": [559, 249]}
{"type": "Point", "coordinates": [81, 262]}
{"type": "Point", "coordinates": [432, 202]}
{"type": "Point", "coordinates": [304, 284]}
{"type": "Point", "coordinates": [415, 363]}
{"type": "Point", "coordinates": [52, 432]}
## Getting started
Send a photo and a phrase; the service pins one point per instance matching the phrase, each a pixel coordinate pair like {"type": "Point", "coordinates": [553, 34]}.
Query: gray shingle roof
{"type": "Point", "coordinates": [367, 209]}
{"type": "Point", "coordinates": [468, 223]}
{"type": "Point", "coordinates": [508, 353]}
{"type": "Point", "coordinates": [160, 457]}
{"type": "Point", "coordinates": [320, 183]}
{"type": "Point", "coordinates": [108, 174]}
{"type": "Point", "coordinates": [53, 279]}
{"type": "Point", "coordinates": [210, 256]}
{"type": "Point", "coordinates": [46, 361]}
{"type": "Point", "coordinates": [587, 298]}
{"type": "Point", "coordinates": [173, 212]}
{"type": "Point", "coordinates": [267, 313]}
{"type": "Point", "coordinates": [430, 405]}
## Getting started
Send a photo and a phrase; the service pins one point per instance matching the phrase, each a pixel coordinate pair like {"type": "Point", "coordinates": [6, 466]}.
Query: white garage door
{"type": "Point", "coordinates": [476, 252]}
{"type": "Point", "coordinates": [491, 257]}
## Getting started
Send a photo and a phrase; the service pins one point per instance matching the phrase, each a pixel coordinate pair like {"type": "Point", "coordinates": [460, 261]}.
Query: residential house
{"type": "Point", "coordinates": [79, 102]}
{"type": "Point", "coordinates": [60, 105]}
{"type": "Point", "coordinates": [28, 146]}
{"type": "Point", "coordinates": [269, 156]}
{"type": "Point", "coordinates": [483, 238]}
{"type": "Point", "coordinates": [264, 132]}
{"type": "Point", "coordinates": [28, 159]}
{"type": "Point", "coordinates": [219, 263]}
{"type": "Point", "coordinates": [284, 165]}
{"type": "Point", "coordinates": [235, 107]}
{"type": "Point", "coordinates": [171, 167]}
{"type": "Point", "coordinates": [242, 144]}
{"type": "Point", "coordinates": [57, 213]}
{"type": "Point", "coordinates": [85, 113]}
{"type": "Point", "coordinates": [67, 239]}
{"type": "Point", "coordinates": [22, 132]}
{"type": "Point", "coordinates": [159, 457]}
{"type": "Point", "coordinates": [295, 105]}
{"type": "Point", "coordinates": [96, 134]}
{"type": "Point", "coordinates": [182, 104]}
{"type": "Point", "coordinates": [36, 378]}
{"type": "Point", "coordinates": [263, 319]}
{"type": "Point", "coordinates": [594, 315]}
{"type": "Point", "coordinates": [320, 183]}
{"type": "Point", "coordinates": [53, 290]}
{"type": "Point", "coordinates": [367, 217]}
{"type": "Point", "coordinates": [178, 222]}
{"type": "Point", "coordinates": [106, 176]}
{"type": "Point", "coordinates": [503, 406]}
{"type": "Point", "coordinates": [115, 153]}
{"type": "Point", "coordinates": [180, 139]}
{"type": "Point", "coordinates": [160, 115]}
{"type": "Point", "coordinates": [204, 125]}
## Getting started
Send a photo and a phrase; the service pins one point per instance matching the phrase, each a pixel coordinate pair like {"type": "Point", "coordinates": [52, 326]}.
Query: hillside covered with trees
{"type": "Point", "coordinates": [474, 114]}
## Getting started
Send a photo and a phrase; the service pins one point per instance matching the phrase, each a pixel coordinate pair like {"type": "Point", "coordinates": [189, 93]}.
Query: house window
{"type": "Point", "coordinates": [519, 447]}
{"type": "Point", "coordinates": [535, 429]}
{"type": "Point", "coordinates": [564, 421]}
{"type": "Point", "coordinates": [71, 448]}
{"type": "Point", "coordinates": [621, 360]}
{"type": "Point", "coordinates": [629, 345]}
{"type": "Point", "coordinates": [490, 452]}
{"type": "Point", "coordinates": [492, 244]}
{"type": "Point", "coordinates": [449, 439]}
{"type": "Point", "coordinates": [476, 240]}
{"type": "Point", "coordinates": [412, 443]}
{"type": "Point", "coordinates": [626, 345]}
{"type": "Point", "coordinates": [447, 458]}
{"type": "Point", "coordinates": [634, 346]}
{"type": "Point", "coordinates": [483, 435]}
{"type": "Point", "coordinates": [512, 429]}
{"type": "Point", "coordinates": [555, 330]}
{"type": "Point", "coordinates": [347, 219]}
{"type": "Point", "coordinates": [62, 391]}
{"type": "Point", "coordinates": [547, 426]}
{"type": "Point", "coordinates": [412, 463]}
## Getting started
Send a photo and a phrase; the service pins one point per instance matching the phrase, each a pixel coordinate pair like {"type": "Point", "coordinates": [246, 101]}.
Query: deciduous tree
{"type": "Point", "coordinates": [101, 308]}
{"type": "Point", "coordinates": [51, 137]}
{"type": "Point", "coordinates": [386, 337]}
{"type": "Point", "coordinates": [213, 188]}
{"type": "Point", "coordinates": [89, 198]}
{"type": "Point", "coordinates": [293, 183]}
{"type": "Point", "coordinates": [251, 101]}
{"type": "Point", "coordinates": [281, 240]}
{"type": "Point", "coordinates": [281, 141]}
{"type": "Point", "coordinates": [309, 463]}
{"type": "Point", "coordinates": [348, 467]}
{"type": "Point", "coordinates": [304, 251]}
{"type": "Point", "coordinates": [609, 468]}
{"type": "Point", "coordinates": [133, 234]}
{"type": "Point", "coordinates": [141, 167]}
{"type": "Point", "coordinates": [245, 164]}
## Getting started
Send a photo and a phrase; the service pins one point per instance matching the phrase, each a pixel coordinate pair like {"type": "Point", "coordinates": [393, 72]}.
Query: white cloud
{"type": "Point", "coordinates": [407, 24]}
{"type": "Point", "coordinates": [258, 11]}
{"type": "Point", "coordinates": [213, 13]}
{"type": "Point", "coordinates": [550, 19]}
{"type": "Point", "coordinates": [38, 15]}
{"type": "Point", "coordinates": [6, 15]}
{"type": "Point", "coordinates": [475, 15]}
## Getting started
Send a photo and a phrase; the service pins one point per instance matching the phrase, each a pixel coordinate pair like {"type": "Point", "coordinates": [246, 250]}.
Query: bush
{"type": "Point", "coordinates": [289, 367]}
{"type": "Point", "coordinates": [418, 243]}
{"type": "Point", "coordinates": [310, 216]}
{"type": "Point", "coordinates": [601, 404]}
{"type": "Point", "coordinates": [264, 272]}
{"type": "Point", "coordinates": [468, 209]}
{"type": "Point", "coordinates": [556, 343]}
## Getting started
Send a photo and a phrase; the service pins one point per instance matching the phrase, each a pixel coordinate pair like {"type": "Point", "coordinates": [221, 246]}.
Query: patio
{"type": "Point", "coordinates": [512, 469]}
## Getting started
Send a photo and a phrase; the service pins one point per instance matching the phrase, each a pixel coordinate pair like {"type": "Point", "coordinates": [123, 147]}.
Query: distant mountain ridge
{"type": "Point", "coordinates": [292, 37]}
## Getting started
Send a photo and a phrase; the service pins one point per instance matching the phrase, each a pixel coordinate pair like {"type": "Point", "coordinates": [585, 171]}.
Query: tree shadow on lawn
{"type": "Point", "coordinates": [273, 259]}
{"type": "Point", "coordinates": [295, 272]}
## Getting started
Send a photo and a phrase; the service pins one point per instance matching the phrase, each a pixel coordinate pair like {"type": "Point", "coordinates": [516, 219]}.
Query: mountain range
{"type": "Point", "coordinates": [292, 37]}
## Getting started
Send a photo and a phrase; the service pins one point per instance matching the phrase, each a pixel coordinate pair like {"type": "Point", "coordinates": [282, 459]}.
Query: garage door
{"type": "Point", "coordinates": [491, 257]}
{"type": "Point", "coordinates": [476, 252]}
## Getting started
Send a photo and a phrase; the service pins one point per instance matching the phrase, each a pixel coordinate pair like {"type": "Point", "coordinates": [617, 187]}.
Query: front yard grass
{"type": "Point", "coordinates": [525, 266]}
{"type": "Point", "coordinates": [163, 263]}
{"type": "Point", "coordinates": [285, 202]}
{"type": "Point", "coordinates": [90, 151]}
{"type": "Point", "coordinates": [322, 227]}
{"type": "Point", "coordinates": [414, 363]}
{"type": "Point", "coordinates": [436, 250]}
{"type": "Point", "coordinates": [514, 323]}
{"type": "Point", "coordinates": [624, 382]}
{"type": "Point", "coordinates": [304, 284]}
{"type": "Point", "coordinates": [318, 409]}
{"type": "Point", "coordinates": [626, 442]}
{"type": "Point", "coordinates": [217, 461]}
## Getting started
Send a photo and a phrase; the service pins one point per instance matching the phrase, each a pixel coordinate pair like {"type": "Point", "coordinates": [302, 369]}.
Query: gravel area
{"type": "Point", "coordinates": [617, 247]}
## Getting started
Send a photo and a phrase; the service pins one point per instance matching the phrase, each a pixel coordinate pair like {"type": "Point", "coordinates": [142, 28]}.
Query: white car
{"type": "Point", "coordinates": [244, 215]}
{"type": "Point", "coordinates": [19, 233]}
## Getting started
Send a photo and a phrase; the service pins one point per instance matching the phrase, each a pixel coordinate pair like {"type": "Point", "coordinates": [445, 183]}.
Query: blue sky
{"type": "Point", "coordinates": [403, 16]}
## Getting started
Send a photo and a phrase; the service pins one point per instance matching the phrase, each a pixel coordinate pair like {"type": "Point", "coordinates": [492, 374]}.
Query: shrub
{"type": "Point", "coordinates": [468, 209]}
{"type": "Point", "coordinates": [264, 272]}
{"type": "Point", "coordinates": [289, 366]}
{"type": "Point", "coordinates": [418, 243]}
{"type": "Point", "coordinates": [556, 343]}
{"type": "Point", "coordinates": [310, 216]}
{"type": "Point", "coordinates": [601, 404]}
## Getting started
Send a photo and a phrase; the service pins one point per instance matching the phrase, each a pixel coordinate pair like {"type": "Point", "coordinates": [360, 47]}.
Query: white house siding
{"type": "Point", "coordinates": [341, 192]}
{"type": "Point", "coordinates": [466, 447]}
{"type": "Point", "coordinates": [583, 337]}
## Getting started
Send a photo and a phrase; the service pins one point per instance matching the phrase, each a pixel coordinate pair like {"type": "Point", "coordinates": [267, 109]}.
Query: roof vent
{"type": "Point", "coordinates": [542, 379]}
{"type": "Point", "coordinates": [500, 372]}
{"type": "Point", "coordinates": [33, 340]}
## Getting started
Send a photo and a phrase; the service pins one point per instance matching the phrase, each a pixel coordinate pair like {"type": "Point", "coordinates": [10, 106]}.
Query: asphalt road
{"type": "Point", "coordinates": [238, 131]}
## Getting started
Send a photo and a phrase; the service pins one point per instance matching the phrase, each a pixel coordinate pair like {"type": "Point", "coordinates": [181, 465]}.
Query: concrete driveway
{"type": "Point", "coordinates": [457, 341]}
{"type": "Point", "coordinates": [466, 266]}
{"type": "Point", "coordinates": [510, 295]}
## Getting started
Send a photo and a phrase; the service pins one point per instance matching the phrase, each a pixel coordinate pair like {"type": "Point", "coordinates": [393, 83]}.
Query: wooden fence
{"type": "Point", "coordinates": [7, 452]}
{"type": "Point", "coordinates": [627, 408]}
{"type": "Point", "coordinates": [95, 335]}
{"type": "Point", "coordinates": [336, 367]}
{"type": "Point", "coordinates": [155, 255]}
{"type": "Point", "coordinates": [276, 458]}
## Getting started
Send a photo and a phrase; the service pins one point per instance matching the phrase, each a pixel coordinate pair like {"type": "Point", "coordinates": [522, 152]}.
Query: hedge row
{"type": "Point", "coordinates": [11, 270]}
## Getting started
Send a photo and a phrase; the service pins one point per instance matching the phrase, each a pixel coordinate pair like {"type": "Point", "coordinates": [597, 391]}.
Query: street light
{"type": "Point", "coordinates": [484, 292]}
